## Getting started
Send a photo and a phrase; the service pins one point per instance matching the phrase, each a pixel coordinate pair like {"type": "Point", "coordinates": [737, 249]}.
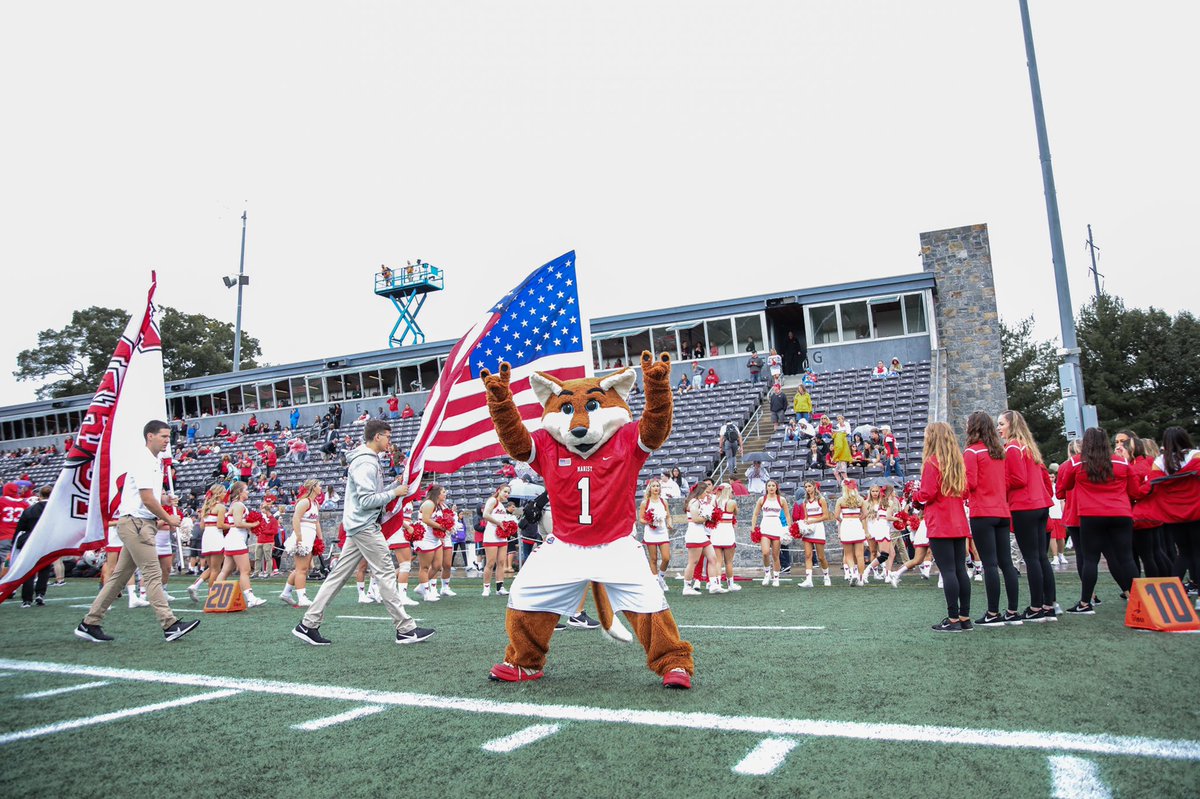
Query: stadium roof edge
{"type": "Point", "coordinates": [434, 349]}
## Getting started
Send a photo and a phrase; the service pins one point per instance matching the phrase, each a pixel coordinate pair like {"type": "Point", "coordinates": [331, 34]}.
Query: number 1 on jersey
{"type": "Point", "coordinates": [585, 500]}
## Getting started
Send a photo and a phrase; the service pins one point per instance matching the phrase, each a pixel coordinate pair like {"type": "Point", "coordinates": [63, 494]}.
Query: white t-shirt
{"type": "Point", "coordinates": [144, 472]}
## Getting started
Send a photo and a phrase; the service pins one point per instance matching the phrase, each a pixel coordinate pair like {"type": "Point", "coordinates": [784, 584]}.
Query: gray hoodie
{"type": "Point", "coordinates": [366, 493]}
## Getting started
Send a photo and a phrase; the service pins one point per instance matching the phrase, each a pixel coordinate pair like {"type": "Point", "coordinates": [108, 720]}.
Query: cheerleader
{"type": "Point", "coordinates": [1029, 503]}
{"type": "Point", "coordinates": [656, 532]}
{"type": "Point", "coordinates": [450, 522]}
{"type": "Point", "coordinates": [877, 512]}
{"type": "Point", "coordinates": [306, 529]}
{"type": "Point", "coordinates": [943, 491]}
{"type": "Point", "coordinates": [164, 545]}
{"type": "Point", "coordinates": [922, 558]}
{"type": "Point", "coordinates": [237, 551]}
{"type": "Point", "coordinates": [429, 547]}
{"type": "Point", "coordinates": [700, 512]}
{"type": "Point", "coordinates": [852, 531]}
{"type": "Point", "coordinates": [775, 518]}
{"type": "Point", "coordinates": [991, 526]}
{"type": "Point", "coordinates": [112, 552]}
{"type": "Point", "coordinates": [212, 540]}
{"type": "Point", "coordinates": [724, 540]}
{"type": "Point", "coordinates": [495, 539]}
{"type": "Point", "coordinates": [400, 545]}
{"type": "Point", "coordinates": [813, 513]}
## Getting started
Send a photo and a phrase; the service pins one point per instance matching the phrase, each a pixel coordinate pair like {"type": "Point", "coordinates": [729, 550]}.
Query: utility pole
{"type": "Point", "coordinates": [1069, 374]}
{"type": "Point", "coordinates": [237, 330]}
{"type": "Point", "coordinates": [1093, 249]}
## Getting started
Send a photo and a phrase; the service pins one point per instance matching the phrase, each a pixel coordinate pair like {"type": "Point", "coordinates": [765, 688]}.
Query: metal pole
{"type": "Point", "coordinates": [1070, 374]}
{"type": "Point", "coordinates": [237, 330]}
{"type": "Point", "coordinates": [1092, 250]}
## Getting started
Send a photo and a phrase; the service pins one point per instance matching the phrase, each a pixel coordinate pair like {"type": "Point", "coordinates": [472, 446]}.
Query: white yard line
{"type": "Point", "coordinates": [89, 598]}
{"type": "Point", "coordinates": [766, 757]}
{"type": "Point", "coordinates": [374, 618]}
{"type": "Point", "coordinates": [740, 627]}
{"type": "Point", "coordinates": [69, 689]}
{"type": "Point", "coordinates": [1076, 778]}
{"type": "Point", "coordinates": [1044, 740]}
{"type": "Point", "coordinates": [349, 715]}
{"type": "Point", "coordinates": [103, 718]}
{"type": "Point", "coordinates": [521, 738]}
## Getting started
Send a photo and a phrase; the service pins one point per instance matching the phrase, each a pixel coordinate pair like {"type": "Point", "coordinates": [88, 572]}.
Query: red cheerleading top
{"type": "Point", "coordinates": [945, 515]}
{"type": "Point", "coordinates": [1110, 498]}
{"type": "Point", "coordinates": [1026, 488]}
{"type": "Point", "coordinates": [1178, 499]}
{"type": "Point", "coordinates": [1070, 517]}
{"type": "Point", "coordinates": [986, 483]}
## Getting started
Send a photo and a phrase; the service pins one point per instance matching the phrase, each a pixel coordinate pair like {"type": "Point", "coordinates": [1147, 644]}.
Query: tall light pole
{"type": "Point", "coordinates": [1069, 374]}
{"type": "Point", "coordinates": [242, 280]}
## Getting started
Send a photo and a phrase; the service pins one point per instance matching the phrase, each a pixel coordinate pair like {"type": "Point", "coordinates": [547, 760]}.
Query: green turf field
{"type": "Point", "coordinates": [873, 704]}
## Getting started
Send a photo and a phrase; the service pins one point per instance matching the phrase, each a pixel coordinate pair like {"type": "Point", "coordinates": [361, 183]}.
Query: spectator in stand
{"type": "Point", "coordinates": [245, 467]}
{"type": "Point", "coordinates": [385, 273]}
{"type": "Point", "coordinates": [775, 366]}
{"type": "Point", "coordinates": [408, 412]}
{"type": "Point", "coordinates": [297, 450]}
{"type": "Point", "coordinates": [808, 380]}
{"type": "Point", "coordinates": [778, 404]}
{"type": "Point", "coordinates": [880, 370]}
{"type": "Point", "coordinates": [294, 418]}
{"type": "Point", "coordinates": [335, 414]}
{"type": "Point", "coordinates": [756, 478]}
{"type": "Point", "coordinates": [791, 433]}
{"type": "Point", "coordinates": [507, 470]}
{"type": "Point", "coordinates": [393, 405]}
{"type": "Point", "coordinates": [729, 445]}
{"type": "Point", "coordinates": [802, 403]}
{"type": "Point", "coordinates": [681, 484]}
{"type": "Point", "coordinates": [891, 454]}
{"type": "Point", "coordinates": [755, 366]}
{"type": "Point", "coordinates": [793, 354]}
{"type": "Point", "coordinates": [684, 384]}
{"type": "Point", "coordinates": [192, 430]}
{"type": "Point", "coordinates": [711, 380]}
{"type": "Point", "coordinates": [842, 455]}
{"type": "Point", "coordinates": [252, 425]}
{"type": "Point", "coordinates": [270, 457]}
{"type": "Point", "coordinates": [698, 350]}
{"type": "Point", "coordinates": [895, 369]}
{"type": "Point", "coordinates": [858, 451]}
{"type": "Point", "coordinates": [697, 374]}
{"type": "Point", "coordinates": [274, 483]}
{"type": "Point", "coordinates": [363, 418]}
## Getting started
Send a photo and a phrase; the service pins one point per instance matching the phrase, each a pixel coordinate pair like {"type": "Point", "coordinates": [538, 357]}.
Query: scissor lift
{"type": "Point", "coordinates": [407, 287]}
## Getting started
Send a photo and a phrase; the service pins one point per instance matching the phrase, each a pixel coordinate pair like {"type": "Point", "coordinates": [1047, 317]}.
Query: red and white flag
{"type": "Point", "coordinates": [88, 490]}
{"type": "Point", "coordinates": [536, 327]}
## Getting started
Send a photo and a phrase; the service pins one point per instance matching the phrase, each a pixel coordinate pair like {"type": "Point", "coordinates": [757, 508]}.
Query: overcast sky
{"type": "Point", "coordinates": [689, 151]}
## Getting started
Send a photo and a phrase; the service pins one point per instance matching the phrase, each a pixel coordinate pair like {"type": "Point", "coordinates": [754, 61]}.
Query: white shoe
{"type": "Point", "coordinates": [502, 591]}
{"type": "Point", "coordinates": [734, 586]}
{"type": "Point", "coordinates": [766, 577]}
{"type": "Point", "coordinates": [487, 590]}
{"type": "Point", "coordinates": [365, 599]}
{"type": "Point", "coordinates": [828, 582]}
{"type": "Point", "coordinates": [866, 578]}
{"type": "Point", "coordinates": [894, 579]}
{"type": "Point", "coordinates": [303, 602]}
{"type": "Point", "coordinates": [287, 599]}
{"type": "Point", "coordinates": [431, 596]}
{"type": "Point", "coordinates": [807, 583]}
{"type": "Point", "coordinates": [689, 591]}
{"type": "Point", "coordinates": [662, 583]}
{"type": "Point", "coordinates": [979, 577]}
{"type": "Point", "coordinates": [252, 601]}
{"type": "Point", "coordinates": [715, 588]}
{"type": "Point", "coordinates": [853, 581]}
{"type": "Point", "coordinates": [136, 601]}
{"type": "Point", "coordinates": [774, 582]}
{"type": "Point", "coordinates": [194, 593]}
{"type": "Point", "coordinates": [941, 582]}
{"type": "Point", "coordinates": [447, 592]}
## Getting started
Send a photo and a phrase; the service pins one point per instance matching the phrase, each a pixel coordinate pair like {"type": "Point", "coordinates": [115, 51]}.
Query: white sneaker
{"type": "Point", "coordinates": [252, 601]}
{"type": "Point", "coordinates": [853, 581]}
{"type": "Point", "coordinates": [828, 582]}
{"type": "Point", "coordinates": [689, 591]}
{"type": "Point", "coordinates": [734, 586]}
{"type": "Point", "coordinates": [487, 590]}
{"type": "Point", "coordinates": [941, 582]}
{"type": "Point", "coordinates": [715, 588]}
{"type": "Point", "coordinates": [447, 592]}
{"type": "Point", "coordinates": [774, 582]}
{"type": "Point", "coordinates": [979, 577]}
{"type": "Point", "coordinates": [431, 596]}
{"type": "Point", "coordinates": [302, 602]}
{"type": "Point", "coordinates": [287, 599]}
{"type": "Point", "coordinates": [766, 577]}
{"type": "Point", "coordinates": [894, 579]}
{"type": "Point", "coordinates": [662, 583]}
{"type": "Point", "coordinates": [807, 583]}
{"type": "Point", "coordinates": [136, 601]}
{"type": "Point", "coordinates": [866, 578]}
{"type": "Point", "coordinates": [194, 593]}
{"type": "Point", "coordinates": [502, 591]}
{"type": "Point", "coordinates": [406, 600]}
{"type": "Point", "coordinates": [365, 599]}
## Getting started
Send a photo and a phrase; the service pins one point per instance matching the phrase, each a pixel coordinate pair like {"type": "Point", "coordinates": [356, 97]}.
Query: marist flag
{"type": "Point", "coordinates": [536, 327]}
{"type": "Point", "coordinates": [88, 490]}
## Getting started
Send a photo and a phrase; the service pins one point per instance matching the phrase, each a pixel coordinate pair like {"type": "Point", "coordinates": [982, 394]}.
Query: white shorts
{"type": "Point", "coordinates": [555, 576]}
{"type": "Point", "coordinates": [696, 536]}
{"type": "Point", "coordinates": [114, 541]}
{"type": "Point", "coordinates": [212, 542]}
{"type": "Point", "coordinates": [723, 537]}
{"type": "Point", "coordinates": [879, 529]}
{"type": "Point", "coordinates": [652, 536]}
{"type": "Point", "coordinates": [490, 539]}
{"type": "Point", "coordinates": [308, 536]}
{"type": "Point", "coordinates": [813, 533]}
{"type": "Point", "coordinates": [429, 543]}
{"type": "Point", "coordinates": [920, 537]}
{"type": "Point", "coordinates": [162, 543]}
{"type": "Point", "coordinates": [851, 531]}
{"type": "Point", "coordinates": [397, 540]}
{"type": "Point", "coordinates": [771, 527]}
{"type": "Point", "coordinates": [235, 542]}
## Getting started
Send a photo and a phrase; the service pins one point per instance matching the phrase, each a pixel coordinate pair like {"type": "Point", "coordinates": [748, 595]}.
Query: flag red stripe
{"type": "Point", "coordinates": [10, 587]}
{"type": "Point", "coordinates": [473, 401]}
{"type": "Point", "coordinates": [449, 467]}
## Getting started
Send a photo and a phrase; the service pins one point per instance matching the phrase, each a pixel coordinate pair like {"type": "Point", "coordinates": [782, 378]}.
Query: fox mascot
{"type": "Point", "coordinates": [590, 453]}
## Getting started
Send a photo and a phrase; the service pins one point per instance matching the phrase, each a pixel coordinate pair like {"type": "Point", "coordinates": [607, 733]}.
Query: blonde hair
{"type": "Point", "coordinates": [216, 495]}
{"type": "Point", "coordinates": [725, 495]}
{"type": "Point", "coordinates": [941, 445]}
{"type": "Point", "coordinates": [236, 488]}
{"type": "Point", "coordinates": [872, 506]}
{"type": "Point", "coordinates": [1151, 448]}
{"type": "Point", "coordinates": [850, 496]}
{"type": "Point", "coordinates": [308, 489]}
{"type": "Point", "coordinates": [1075, 447]}
{"type": "Point", "coordinates": [1018, 430]}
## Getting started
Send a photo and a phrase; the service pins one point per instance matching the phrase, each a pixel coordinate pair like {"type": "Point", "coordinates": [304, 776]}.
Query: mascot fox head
{"type": "Point", "coordinates": [582, 414]}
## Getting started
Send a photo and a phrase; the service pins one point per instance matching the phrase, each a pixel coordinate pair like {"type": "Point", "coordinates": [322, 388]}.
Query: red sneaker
{"type": "Point", "coordinates": [677, 678]}
{"type": "Point", "coordinates": [502, 672]}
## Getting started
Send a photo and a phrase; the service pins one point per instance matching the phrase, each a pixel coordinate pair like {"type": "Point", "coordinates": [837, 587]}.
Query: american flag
{"type": "Point", "coordinates": [536, 327]}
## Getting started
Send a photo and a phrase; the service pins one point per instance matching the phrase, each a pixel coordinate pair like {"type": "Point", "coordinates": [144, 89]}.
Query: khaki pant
{"type": "Point", "coordinates": [370, 545]}
{"type": "Point", "coordinates": [137, 552]}
{"type": "Point", "coordinates": [262, 554]}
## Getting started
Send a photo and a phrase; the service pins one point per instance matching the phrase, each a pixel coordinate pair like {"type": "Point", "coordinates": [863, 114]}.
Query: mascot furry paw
{"type": "Point", "coordinates": [589, 451]}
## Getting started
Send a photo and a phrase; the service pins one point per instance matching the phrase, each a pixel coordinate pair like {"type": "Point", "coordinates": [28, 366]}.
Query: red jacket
{"type": "Point", "coordinates": [1070, 517]}
{"type": "Point", "coordinates": [986, 483]}
{"type": "Point", "coordinates": [1110, 498]}
{"type": "Point", "coordinates": [1177, 499]}
{"type": "Point", "coordinates": [945, 515]}
{"type": "Point", "coordinates": [1026, 487]}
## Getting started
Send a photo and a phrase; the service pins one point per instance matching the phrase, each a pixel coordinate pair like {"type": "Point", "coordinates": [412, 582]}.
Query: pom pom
{"type": "Point", "coordinates": [755, 536]}
{"type": "Point", "coordinates": [318, 546]}
{"type": "Point", "coordinates": [415, 533]}
{"type": "Point", "coordinates": [794, 528]}
{"type": "Point", "coordinates": [447, 519]}
{"type": "Point", "coordinates": [507, 530]}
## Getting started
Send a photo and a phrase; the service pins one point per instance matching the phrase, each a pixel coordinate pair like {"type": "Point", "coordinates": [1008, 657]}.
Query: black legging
{"type": "Point", "coordinates": [1077, 539]}
{"type": "Point", "coordinates": [1029, 526]}
{"type": "Point", "coordinates": [1112, 536]}
{"type": "Point", "coordinates": [1186, 536]}
{"type": "Point", "coordinates": [992, 540]}
{"type": "Point", "coordinates": [950, 555]}
{"type": "Point", "coordinates": [1145, 546]}
{"type": "Point", "coordinates": [1163, 551]}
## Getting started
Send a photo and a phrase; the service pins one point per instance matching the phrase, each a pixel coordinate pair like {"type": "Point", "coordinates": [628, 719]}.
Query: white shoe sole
{"type": "Point", "coordinates": [306, 639]}
{"type": "Point", "coordinates": [89, 639]}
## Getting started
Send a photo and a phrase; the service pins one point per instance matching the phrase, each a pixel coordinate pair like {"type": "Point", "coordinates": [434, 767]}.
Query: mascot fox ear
{"type": "Point", "coordinates": [621, 382]}
{"type": "Point", "coordinates": [545, 386]}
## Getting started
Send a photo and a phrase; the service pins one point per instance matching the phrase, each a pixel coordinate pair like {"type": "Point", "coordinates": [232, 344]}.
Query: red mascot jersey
{"type": "Point", "coordinates": [11, 509]}
{"type": "Point", "coordinates": [592, 499]}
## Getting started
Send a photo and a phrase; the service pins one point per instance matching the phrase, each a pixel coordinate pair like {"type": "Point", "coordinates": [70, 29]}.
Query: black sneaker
{"type": "Point", "coordinates": [26, 604]}
{"type": "Point", "coordinates": [39, 600]}
{"type": "Point", "coordinates": [414, 636]}
{"type": "Point", "coordinates": [1095, 599]}
{"type": "Point", "coordinates": [583, 621]}
{"type": "Point", "coordinates": [786, 569]}
{"type": "Point", "coordinates": [179, 629]}
{"type": "Point", "coordinates": [310, 635]}
{"type": "Point", "coordinates": [948, 626]}
{"type": "Point", "coordinates": [988, 620]}
{"type": "Point", "coordinates": [1013, 619]}
{"type": "Point", "coordinates": [558, 628]}
{"type": "Point", "coordinates": [1037, 616]}
{"type": "Point", "coordinates": [93, 633]}
{"type": "Point", "coordinates": [1081, 609]}
{"type": "Point", "coordinates": [966, 624]}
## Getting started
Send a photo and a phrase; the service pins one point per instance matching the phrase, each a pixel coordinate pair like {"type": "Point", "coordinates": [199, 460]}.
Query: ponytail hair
{"type": "Point", "coordinates": [1018, 430]}
{"type": "Point", "coordinates": [214, 497]}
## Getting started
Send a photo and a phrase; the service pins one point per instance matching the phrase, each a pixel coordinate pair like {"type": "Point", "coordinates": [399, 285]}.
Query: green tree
{"type": "Point", "coordinates": [74, 357]}
{"type": "Point", "coordinates": [1031, 374]}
